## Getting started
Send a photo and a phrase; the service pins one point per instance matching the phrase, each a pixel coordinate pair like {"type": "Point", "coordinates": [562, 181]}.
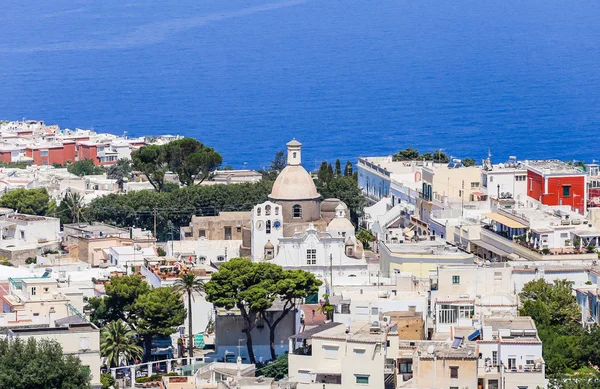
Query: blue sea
{"type": "Point", "coordinates": [346, 78]}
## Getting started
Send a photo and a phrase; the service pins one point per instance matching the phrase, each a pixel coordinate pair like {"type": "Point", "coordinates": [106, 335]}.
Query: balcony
{"type": "Point", "coordinates": [535, 368]}
{"type": "Point", "coordinates": [389, 367]}
{"type": "Point", "coordinates": [527, 251]}
{"type": "Point", "coordinates": [303, 351]}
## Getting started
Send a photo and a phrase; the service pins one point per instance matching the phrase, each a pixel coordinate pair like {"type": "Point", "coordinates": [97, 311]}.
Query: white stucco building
{"type": "Point", "coordinates": [267, 229]}
{"type": "Point", "coordinates": [318, 252]}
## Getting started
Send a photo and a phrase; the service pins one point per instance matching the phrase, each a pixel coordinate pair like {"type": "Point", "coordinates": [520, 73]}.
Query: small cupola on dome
{"type": "Point", "coordinates": [340, 211]}
{"type": "Point", "coordinates": [294, 149]}
{"type": "Point", "coordinates": [340, 222]}
{"type": "Point", "coordinates": [269, 245]}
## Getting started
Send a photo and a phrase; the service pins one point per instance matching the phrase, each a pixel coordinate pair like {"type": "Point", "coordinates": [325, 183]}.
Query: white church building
{"type": "Point", "coordinates": [294, 231]}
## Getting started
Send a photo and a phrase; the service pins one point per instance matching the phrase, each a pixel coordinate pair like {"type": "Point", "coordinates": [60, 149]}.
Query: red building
{"type": "Point", "coordinates": [99, 153]}
{"type": "Point", "coordinates": [557, 183]}
{"type": "Point", "coordinates": [48, 154]}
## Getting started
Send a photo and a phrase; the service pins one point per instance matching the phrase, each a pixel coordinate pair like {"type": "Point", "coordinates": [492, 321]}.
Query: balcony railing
{"type": "Point", "coordinates": [539, 368]}
{"type": "Point", "coordinates": [306, 351]}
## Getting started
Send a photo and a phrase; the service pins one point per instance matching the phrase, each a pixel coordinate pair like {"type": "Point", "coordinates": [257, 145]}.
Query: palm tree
{"type": "Point", "coordinates": [189, 284]}
{"type": "Point", "coordinates": [117, 341]}
{"type": "Point", "coordinates": [73, 206]}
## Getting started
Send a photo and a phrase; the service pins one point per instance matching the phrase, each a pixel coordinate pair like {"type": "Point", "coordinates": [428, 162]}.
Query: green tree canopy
{"type": "Point", "coordinates": [365, 237]}
{"type": "Point", "coordinates": [29, 201]}
{"type": "Point", "coordinates": [278, 163]}
{"type": "Point", "coordinates": [349, 169]}
{"type": "Point", "coordinates": [119, 171]}
{"type": "Point", "coordinates": [290, 287]}
{"type": "Point", "coordinates": [158, 312]}
{"type": "Point", "coordinates": [556, 314]}
{"type": "Point", "coordinates": [176, 208]}
{"type": "Point", "coordinates": [277, 369]}
{"type": "Point", "coordinates": [71, 209]}
{"type": "Point", "coordinates": [254, 287]}
{"type": "Point", "coordinates": [85, 167]}
{"type": "Point", "coordinates": [121, 295]}
{"type": "Point", "coordinates": [409, 154]}
{"type": "Point", "coordinates": [469, 162]}
{"type": "Point", "coordinates": [345, 189]}
{"type": "Point", "coordinates": [549, 304]}
{"type": "Point", "coordinates": [152, 162]}
{"type": "Point", "coordinates": [189, 159]}
{"type": "Point", "coordinates": [39, 365]}
{"type": "Point", "coordinates": [324, 175]}
{"type": "Point", "coordinates": [338, 168]}
{"type": "Point", "coordinates": [239, 284]}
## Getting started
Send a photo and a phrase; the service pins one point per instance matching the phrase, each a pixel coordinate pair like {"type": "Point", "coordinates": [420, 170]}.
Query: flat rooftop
{"type": "Point", "coordinates": [435, 247]}
{"type": "Point", "coordinates": [444, 350]}
{"type": "Point", "coordinates": [96, 228]}
{"type": "Point", "coordinates": [83, 327]}
{"type": "Point", "coordinates": [360, 332]}
{"type": "Point", "coordinates": [553, 166]}
{"type": "Point", "coordinates": [515, 323]}
{"type": "Point", "coordinates": [224, 216]}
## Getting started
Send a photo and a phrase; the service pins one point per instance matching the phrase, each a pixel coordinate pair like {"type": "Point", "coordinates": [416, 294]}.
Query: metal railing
{"type": "Point", "coordinates": [76, 311]}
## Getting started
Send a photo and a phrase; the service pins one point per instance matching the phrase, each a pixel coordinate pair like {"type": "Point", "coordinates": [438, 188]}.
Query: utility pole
{"type": "Point", "coordinates": [331, 273]}
{"type": "Point", "coordinates": [155, 211]}
{"type": "Point", "coordinates": [462, 200]}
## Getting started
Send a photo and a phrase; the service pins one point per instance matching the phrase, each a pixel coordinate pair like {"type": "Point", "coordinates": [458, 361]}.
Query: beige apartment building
{"type": "Point", "coordinates": [336, 356]}
{"type": "Point", "coordinates": [440, 365]}
{"type": "Point", "coordinates": [38, 301]}
{"type": "Point", "coordinates": [90, 241]}
{"type": "Point", "coordinates": [442, 185]}
{"type": "Point", "coordinates": [77, 338]}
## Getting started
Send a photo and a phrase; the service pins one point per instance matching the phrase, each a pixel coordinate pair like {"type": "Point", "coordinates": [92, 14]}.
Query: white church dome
{"type": "Point", "coordinates": [294, 182]}
{"type": "Point", "coordinates": [340, 222]}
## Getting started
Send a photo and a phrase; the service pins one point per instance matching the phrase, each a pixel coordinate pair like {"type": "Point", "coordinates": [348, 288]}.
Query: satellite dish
{"type": "Point", "coordinates": [430, 349]}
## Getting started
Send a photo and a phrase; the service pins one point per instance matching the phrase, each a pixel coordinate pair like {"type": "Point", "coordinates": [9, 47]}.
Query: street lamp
{"type": "Point", "coordinates": [239, 347]}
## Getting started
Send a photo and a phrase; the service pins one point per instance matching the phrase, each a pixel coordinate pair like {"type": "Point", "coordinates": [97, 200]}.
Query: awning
{"type": "Point", "coordinates": [478, 194]}
{"type": "Point", "coordinates": [491, 248]}
{"type": "Point", "coordinates": [474, 335]}
{"type": "Point", "coordinates": [586, 234]}
{"type": "Point", "coordinates": [508, 222]}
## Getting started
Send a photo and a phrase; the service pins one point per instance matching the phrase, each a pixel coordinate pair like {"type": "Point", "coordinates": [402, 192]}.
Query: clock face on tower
{"type": "Point", "coordinates": [260, 225]}
{"type": "Point", "coordinates": [277, 224]}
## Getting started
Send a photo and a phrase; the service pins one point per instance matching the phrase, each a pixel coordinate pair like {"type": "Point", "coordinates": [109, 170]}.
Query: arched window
{"type": "Point", "coordinates": [297, 211]}
{"type": "Point", "coordinates": [267, 210]}
{"type": "Point", "coordinates": [276, 210]}
{"type": "Point", "coordinates": [258, 211]}
{"type": "Point", "coordinates": [268, 228]}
